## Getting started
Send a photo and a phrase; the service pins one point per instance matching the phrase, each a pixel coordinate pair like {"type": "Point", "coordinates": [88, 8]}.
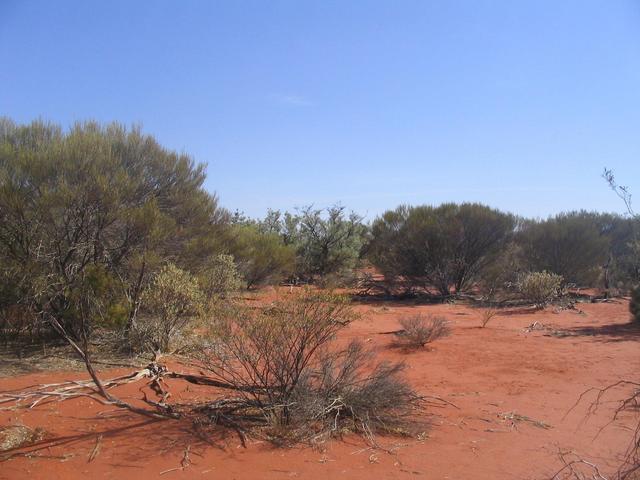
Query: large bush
{"type": "Point", "coordinates": [220, 277]}
{"type": "Point", "coordinates": [570, 244]}
{"type": "Point", "coordinates": [96, 201]}
{"type": "Point", "coordinates": [446, 246]}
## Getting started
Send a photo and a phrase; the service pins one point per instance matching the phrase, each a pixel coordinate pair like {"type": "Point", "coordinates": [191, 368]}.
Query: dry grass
{"type": "Point", "coordinates": [15, 436]}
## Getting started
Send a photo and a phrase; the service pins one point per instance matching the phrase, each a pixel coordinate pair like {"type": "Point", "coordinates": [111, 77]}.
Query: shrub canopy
{"type": "Point", "coordinates": [445, 246]}
{"type": "Point", "coordinates": [96, 201]}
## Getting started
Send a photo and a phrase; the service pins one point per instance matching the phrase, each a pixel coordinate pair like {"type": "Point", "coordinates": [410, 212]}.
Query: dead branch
{"type": "Point", "coordinates": [571, 461]}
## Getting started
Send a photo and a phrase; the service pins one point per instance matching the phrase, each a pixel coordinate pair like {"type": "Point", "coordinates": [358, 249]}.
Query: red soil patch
{"type": "Point", "coordinates": [487, 373]}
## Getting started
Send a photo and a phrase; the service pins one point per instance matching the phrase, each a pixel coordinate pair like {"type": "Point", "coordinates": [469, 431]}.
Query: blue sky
{"type": "Point", "coordinates": [517, 104]}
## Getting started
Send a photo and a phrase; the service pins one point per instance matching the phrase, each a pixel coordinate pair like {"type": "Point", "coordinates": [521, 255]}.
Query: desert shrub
{"type": "Point", "coordinates": [539, 288]}
{"type": "Point", "coordinates": [634, 305]}
{"type": "Point", "coordinates": [329, 241]}
{"type": "Point", "coordinates": [343, 279]}
{"type": "Point", "coordinates": [417, 331]}
{"type": "Point", "coordinates": [221, 277]}
{"type": "Point", "coordinates": [172, 300]}
{"type": "Point", "coordinates": [446, 246]}
{"type": "Point", "coordinates": [621, 268]}
{"type": "Point", "coordinates": [86, 215]}
{"type": "Point", "coordinates": [326, 241]}
{"type": "Point", "coordinates": [285, 365]}
{"type": "Point", "coordinates": [263, 257]}
{"type": "Point", "coordinates": [570, 244]}
{"type": "Point", "coordinates": [502, 271]}
{"type": "Point", "coordinates": [486, 316]}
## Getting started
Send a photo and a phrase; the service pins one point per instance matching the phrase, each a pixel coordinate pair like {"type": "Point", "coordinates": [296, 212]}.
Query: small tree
{"type": "Point", "coordinates": [540, 288]}
{"type": "Point", "coordinates": [172, 300]}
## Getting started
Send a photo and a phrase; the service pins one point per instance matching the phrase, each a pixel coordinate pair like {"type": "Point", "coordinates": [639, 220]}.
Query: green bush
{"type": "Point", "coordinates": [172, 300]}
{"type": "Point", "coordinates": [446, 247]}
{"type": "Point", "coordinates": [326, 242]}
{"type": "Point", "coordinates": [86, 214]}
{"type": "Point", "coordinates": [221, 277]}
{"type": "Point", "coordinates": [262, 257]}
{"type": "Point", "coordinates": [540, 288]}
{"type": "Point", "coordinates": [570, 244]}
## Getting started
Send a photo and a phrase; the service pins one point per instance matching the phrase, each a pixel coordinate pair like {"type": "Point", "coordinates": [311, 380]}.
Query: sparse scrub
{"type": "Point", "coordinates": [293, 380]}
{"type": "Point", "coordinates": [486, 316]}
{"type": "Point", "coordinates": [540, 288]}
{"type": "Point", "coordinates": [417, 331]}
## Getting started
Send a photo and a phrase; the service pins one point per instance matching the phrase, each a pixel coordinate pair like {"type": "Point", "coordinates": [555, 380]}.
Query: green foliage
{"type": "Point", "coordinates": [445, 246]}
{"type": "Point", "coordinates": [172, 300]}
{"type": "Point", "coordinates": [327, 242]}
{"type": "Point", "coordinates": [221, 277]}
{"type": "Point", "coordinates": [540, 288]}
{"type": "Point", "coordinates": [502, 271]}
{"type": "Point", "coordinates": [263, 257]}
{"type": "Point", "coordinates": [569, 244]}
{"type": "Point", "coordinates": [634, 305]}
{"type": "Point", "coordinates": [96, 199]}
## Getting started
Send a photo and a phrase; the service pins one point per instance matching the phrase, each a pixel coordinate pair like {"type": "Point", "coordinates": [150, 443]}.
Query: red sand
{"type": "Point", "coordinates": [485, 372]}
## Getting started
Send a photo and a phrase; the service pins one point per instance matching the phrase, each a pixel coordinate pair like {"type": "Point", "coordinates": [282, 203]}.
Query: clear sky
{"type": "Point", "coordinates": [517, 104]}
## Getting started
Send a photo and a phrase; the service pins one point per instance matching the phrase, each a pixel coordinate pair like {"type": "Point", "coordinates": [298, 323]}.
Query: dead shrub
{"type": "Point", "coordinates": [418, 331]}
{"type": "Point", "coordinates": [291, 381]}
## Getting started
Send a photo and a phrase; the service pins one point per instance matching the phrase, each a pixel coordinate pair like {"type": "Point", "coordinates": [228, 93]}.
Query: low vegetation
{"type": "Point", "coordinates": [418, 331]}
{"type": "Point", "coordinates": [104, 233]}
{"type": "Point", "coordinates": [540, 288]}
{"type": "Point", "coordinates": [285, 366]}
{"type": "Point", "coordinates": [486, 316]}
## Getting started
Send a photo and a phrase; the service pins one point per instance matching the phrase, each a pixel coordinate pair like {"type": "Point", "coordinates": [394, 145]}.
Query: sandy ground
{"type": "Point", "coordinates": [489, 374]}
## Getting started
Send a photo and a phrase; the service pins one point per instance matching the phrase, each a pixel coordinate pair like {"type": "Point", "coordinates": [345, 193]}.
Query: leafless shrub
{"type": "Point", "coordinates": [486, 316]}
{"type": "Point", "coordinates": [576, 468]}
{"type": "Point", "coordinates": [630, 403]}
{"type": "Point", "coordinates": [417, 331]}
{"type": "Point", "coordinates": [291, 381]}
